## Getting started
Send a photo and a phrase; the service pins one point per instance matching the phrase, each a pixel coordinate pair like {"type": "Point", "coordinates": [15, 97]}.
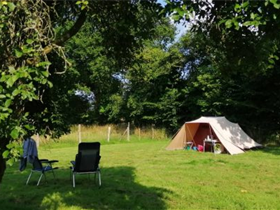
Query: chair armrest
{"type": "Point", "coordinates": [48, 161]}
{"type": "Point", "coordinates": [43, 160]}
{"type": "Point", "coordinates": [53, 161]}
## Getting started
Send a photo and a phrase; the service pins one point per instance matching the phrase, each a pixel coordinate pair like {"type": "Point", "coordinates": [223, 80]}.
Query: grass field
{"type": "Point", "coordinates": [143, 175]}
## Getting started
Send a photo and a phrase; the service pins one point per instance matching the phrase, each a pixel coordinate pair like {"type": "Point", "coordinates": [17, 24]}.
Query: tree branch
{"type": "Point", "coordinates": [72, 31]}
{"type": "Point", "coordinates": [68, 34]}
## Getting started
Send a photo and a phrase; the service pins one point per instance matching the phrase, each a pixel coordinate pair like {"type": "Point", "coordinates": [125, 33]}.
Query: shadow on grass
{"type": "Point", "coordinates": [119, 190]}
{"type": "Point", "coordinates": [274, 150]}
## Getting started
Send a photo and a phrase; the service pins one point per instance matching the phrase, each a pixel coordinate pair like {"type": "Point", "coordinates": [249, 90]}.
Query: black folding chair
{"type": "Point", "coordinates": [87, 161]}
{"type": "Point", "coordinates": [42, 166]}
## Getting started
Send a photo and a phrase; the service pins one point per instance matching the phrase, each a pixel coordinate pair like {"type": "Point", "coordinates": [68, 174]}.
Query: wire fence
{"type": "Point", "coordinates": [109, 133]}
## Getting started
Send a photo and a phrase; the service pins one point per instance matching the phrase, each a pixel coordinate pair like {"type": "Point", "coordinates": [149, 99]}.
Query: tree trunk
{"type": "Point", "coordinates": [2, 167]}
{"type": "Point", "coordinates": [3, 144]}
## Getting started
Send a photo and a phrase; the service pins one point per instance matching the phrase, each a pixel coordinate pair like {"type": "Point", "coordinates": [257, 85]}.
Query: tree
{"type": "Point", "coordinates": [154, 84]}
{"type": "Point", "coordinates": [101, 63]}
{"type": "Point", "coordinates": [116, 89]}
{"type": "Point", "coordinates": [24, 68]}
{"type": "Point", "coordinates": [95, 68]}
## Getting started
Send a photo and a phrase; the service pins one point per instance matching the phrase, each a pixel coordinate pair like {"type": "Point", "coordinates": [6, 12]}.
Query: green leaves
{"type": "Point", "coordinates": [18, 53]}
{"type": "Point", "coordinates": [12, 79]}
{"type": "Point", "coordinates": [83, 3]}
{"type": "Point", "coordinates": [8, 103]}
{"type": "Point", "coordinates": [43, 64]}
{"type": "Point", "coordinates": [11, 6]}
{"type": "Point", "coordinates": [7, 7]}
{"type": "Point", "coordinates": [179, 13]}
{"type": "Point", "coordinates": [228, 23]}
{"type": "Point", "coordinates": [6, 154]}
{"type": "Point", "coordinates": [275, 4]}
{"type": "Point", "coordinates": [29, 41]}
{"type": "Point", "coordinates": [15, 133]}
{"type": "Point", "coordinates": [241, 7]}
{"type": "Point", "coordinates": [12, 153]}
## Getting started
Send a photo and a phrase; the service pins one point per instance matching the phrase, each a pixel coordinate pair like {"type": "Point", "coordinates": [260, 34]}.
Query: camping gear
{"type": "Point", "coordinates": [200, 148]}
{"type": "Point", "coordinates": [217, 130]}
{"type": "Point", "coordinates": [29, 153]}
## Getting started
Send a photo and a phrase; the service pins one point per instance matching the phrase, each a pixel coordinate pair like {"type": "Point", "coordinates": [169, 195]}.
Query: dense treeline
{"type": "Point", "coordinates": [169, 82]}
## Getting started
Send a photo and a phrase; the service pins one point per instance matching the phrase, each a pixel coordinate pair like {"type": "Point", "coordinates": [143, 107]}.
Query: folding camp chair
{"type": "Point", "coordinates": [42, 166]}
{"type": "Point", "coordinates": [87, 160]}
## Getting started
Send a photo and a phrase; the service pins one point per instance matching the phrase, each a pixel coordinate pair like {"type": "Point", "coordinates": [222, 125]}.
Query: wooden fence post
{"type": "Point", "coordinates": [79, 133]}
{"type": "Point", "coordinates": [153, 131]}
{"type": "Point", "coordinates": [139, 132]}
{"type": "Point", "coordinates": [128, 131]}
{"type": "Point", "coordinates": [109, 133]}
{"type": "Point", "coordinates": [38, 140]}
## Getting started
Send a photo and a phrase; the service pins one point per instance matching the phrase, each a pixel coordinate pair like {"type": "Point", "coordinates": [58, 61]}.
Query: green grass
{"type": "Point", "coordinates": [143, 175]}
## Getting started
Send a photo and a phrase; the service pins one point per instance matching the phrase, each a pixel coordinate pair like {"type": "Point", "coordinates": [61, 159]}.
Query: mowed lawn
{"type": "Point", "coordinates": [143, 175]}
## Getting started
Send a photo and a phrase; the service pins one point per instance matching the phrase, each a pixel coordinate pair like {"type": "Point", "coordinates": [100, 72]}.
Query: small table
{"type": "Point", "coordinates": [209, 141]}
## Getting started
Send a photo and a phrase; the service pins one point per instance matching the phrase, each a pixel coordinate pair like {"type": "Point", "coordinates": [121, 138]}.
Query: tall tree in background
{"type": "Point", "coordinates": [152, 91]}
{"type": "Point", "coordinates": [94, 70]}
{"type": "Point", "coordinates": [145, 90]}
{"type": "Point", "coordinates": [100, 66]}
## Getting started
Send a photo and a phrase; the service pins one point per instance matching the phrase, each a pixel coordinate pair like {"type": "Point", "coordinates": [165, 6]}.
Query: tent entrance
{"type": "Point", "coordinates": [203, 132]}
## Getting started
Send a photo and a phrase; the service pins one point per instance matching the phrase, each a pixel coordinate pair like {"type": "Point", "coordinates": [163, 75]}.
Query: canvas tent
{"type": "Point", "coordinates": [230, 136]}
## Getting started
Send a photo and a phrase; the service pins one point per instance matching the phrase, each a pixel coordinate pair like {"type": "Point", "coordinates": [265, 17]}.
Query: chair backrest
{"type": "Point", "coordinates": [88, 157]}
{"type": "Point", "coordinates": [37, 165]}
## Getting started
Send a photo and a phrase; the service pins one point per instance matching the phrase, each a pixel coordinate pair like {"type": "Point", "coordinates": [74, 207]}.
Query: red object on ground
{"type": "Point", "coordinates": [200, 148]}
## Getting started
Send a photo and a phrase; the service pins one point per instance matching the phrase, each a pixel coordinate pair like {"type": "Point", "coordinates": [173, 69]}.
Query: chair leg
{"type": "Point", "coordinates": [53, 174]}
{"type": "Point", "coordinates": [99, 177]}
{"type": "Point", "coordinates": [42, 174]}
{"type": "Point", "coordinates": [45, 177]}
{"type": "Point", "coordinates": [73, 179]}
{"type": "Point", "coordinates": [29, 177]}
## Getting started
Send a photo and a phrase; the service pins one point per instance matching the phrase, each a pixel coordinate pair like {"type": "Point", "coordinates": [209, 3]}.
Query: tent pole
{"type": "Point", "coordinates": [210, 131]}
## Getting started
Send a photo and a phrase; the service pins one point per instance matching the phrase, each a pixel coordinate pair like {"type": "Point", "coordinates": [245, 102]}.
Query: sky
{"type": "Point", "coordinates": [181, 29]}
{"type": "Point", "coordinates": [162, 2]}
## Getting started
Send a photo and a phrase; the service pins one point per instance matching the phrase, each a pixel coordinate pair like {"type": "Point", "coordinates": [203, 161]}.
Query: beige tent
{"type": "Point", "coordinates": [229, 135]}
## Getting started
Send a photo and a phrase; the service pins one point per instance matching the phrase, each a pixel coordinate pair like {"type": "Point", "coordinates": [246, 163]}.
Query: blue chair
{"type": "Point", "coordinates": [42, 166]}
